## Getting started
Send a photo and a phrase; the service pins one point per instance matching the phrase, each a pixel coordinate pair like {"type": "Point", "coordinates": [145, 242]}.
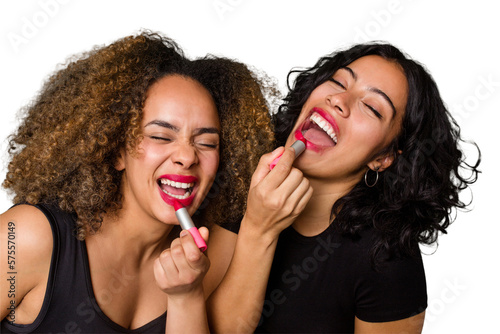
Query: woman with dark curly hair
{"type": "Point", "coordinates": [111, 141]}
{"type": "Point", "coordinates": [383, 159]}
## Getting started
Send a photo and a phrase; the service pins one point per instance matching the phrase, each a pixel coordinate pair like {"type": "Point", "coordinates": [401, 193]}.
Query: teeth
{"type": "Point", "coordinates": [178, 185]}
{"type": "Point", "coordinates": [174, 184]}
{"type": "Point", "coordinates": [325, 126]}
{"type": "Point", "coordinates": [186, 195]}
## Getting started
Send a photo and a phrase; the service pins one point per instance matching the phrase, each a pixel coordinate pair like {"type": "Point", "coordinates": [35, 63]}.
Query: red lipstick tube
{"type": "Point", "coordinates": [187, 224]}
{"type": "Point", "coordinates": [299, 146]}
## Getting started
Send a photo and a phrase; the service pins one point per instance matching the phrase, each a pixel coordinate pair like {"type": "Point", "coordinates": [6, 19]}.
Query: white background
{"type": "Point", "coordinates": [457, 41]}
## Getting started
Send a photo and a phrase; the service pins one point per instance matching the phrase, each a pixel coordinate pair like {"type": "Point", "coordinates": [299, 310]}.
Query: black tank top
{"type": "Point", "coordinates": [69, 305]}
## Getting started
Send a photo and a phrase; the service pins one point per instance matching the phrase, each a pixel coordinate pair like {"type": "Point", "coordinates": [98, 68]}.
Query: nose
{"type": "Point", "coordinates": [185, 155]}
{"type": "Point", "coordinates": [339, 102]}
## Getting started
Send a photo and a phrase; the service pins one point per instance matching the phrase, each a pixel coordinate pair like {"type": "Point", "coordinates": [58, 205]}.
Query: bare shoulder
{"type": "Point", "coordinates": [30, 227]}
{"type": "Point", "coordinates": [26, 252]}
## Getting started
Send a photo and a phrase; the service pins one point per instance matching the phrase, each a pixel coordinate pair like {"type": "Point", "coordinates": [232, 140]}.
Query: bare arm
{"type": "Point", "coordinates": [220, 251]}
{"type": "Point", "coordinates": [179, 272]}
{"type": "Point", "coordinates": [25, 254]}
{"type": "Point", "coordinates": [412, 325]}
{"type": "Point", "coordinates": [275, 199]}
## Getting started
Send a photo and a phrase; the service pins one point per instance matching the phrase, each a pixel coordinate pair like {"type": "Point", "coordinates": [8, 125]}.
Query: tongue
{"type": "Point", "coordinates": [318, 137]}
{"type": "Point", "coordinates": [173, 190]}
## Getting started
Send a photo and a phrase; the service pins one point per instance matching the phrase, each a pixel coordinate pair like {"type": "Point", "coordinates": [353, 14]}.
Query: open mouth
{"type": "Point", "coordinates": [175, 187]}
{"type": "Point", "coordinates": [179, 190]}
{"type": "Point", "coordinates": [317, 130]}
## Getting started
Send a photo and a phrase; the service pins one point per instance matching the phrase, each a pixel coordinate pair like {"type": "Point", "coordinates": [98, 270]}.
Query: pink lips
{"type": "Point", "coordinates": [178, 178]}
{"type": "Point", "coordinates": [309, 145]}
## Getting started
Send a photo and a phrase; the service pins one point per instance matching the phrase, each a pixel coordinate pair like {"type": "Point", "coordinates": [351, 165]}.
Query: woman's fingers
{"type": "Point", "coordinates": [282, 169]}
{"type": "Point", "coordinates": [191, 254]}
{"type": "Point", "coordinates": [262, 169]}
{"type": "Point", "coordinates": [279, 195]}
{"type": "Point", "coordinates": [181, 267]}
{"type": "Point", "coordinates": [301, 196]}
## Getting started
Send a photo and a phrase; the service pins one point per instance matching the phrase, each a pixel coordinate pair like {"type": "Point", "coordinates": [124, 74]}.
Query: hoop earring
{"type": "Point", "coordinates": [366, 178]}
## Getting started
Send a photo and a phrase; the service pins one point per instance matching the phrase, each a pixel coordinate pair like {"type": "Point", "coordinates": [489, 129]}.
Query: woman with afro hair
{"type": "Point", "coordinates": [112, 140]}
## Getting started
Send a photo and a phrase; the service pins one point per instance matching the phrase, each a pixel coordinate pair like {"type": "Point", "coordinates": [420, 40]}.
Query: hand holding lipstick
{"type": "Point", "coordinates": [298, 146]}
{"type": "Point", "coordinates": [179, 270]}
{"type": "Point", "coordinates": [278, 196]}
{"type": "Point", "coordinates": [182, 266]}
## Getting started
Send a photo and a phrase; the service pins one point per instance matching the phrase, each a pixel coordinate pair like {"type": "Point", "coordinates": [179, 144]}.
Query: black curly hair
{"type": "Point", "coordinates": [413, 199]}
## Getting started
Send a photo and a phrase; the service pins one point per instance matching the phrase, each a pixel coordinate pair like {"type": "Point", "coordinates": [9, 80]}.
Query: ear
{"type": "Point", "coordinates": [383, 162]}
{"type": "Point", "coordinates": [120, 161]}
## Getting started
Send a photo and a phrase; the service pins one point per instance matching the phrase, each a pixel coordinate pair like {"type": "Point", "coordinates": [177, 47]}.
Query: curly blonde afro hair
{"type": "Point", "coordinates": [65, 150]}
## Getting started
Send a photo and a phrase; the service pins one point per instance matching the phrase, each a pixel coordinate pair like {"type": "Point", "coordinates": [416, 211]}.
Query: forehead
{"type": "Point", "coordinates": [180, 97]}
{"type": "Point", "coordinates": [386, 75]}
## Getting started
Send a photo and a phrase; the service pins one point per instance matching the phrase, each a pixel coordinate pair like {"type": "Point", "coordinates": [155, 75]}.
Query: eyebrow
{"type": "Point", "coordinates": [372, 89]}
{"type": "Point", "coordinates": [197, 131]}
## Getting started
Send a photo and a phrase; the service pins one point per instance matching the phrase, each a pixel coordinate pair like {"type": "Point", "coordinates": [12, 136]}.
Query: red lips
{"type": "Point", "coordinates": [182, 179]}
{"type": "Point", "coordinates": [308, 124]}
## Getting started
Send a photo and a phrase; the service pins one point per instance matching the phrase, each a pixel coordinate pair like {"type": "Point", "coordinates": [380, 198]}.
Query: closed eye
{"type": "Point", "coordinates": [161, 138]}
{"type": "Point", "coordinates": [210, 146]}
{"type": "Point", "coordinates": [373, 110]}
{"type": "Point", "coordinates": [336, 82]}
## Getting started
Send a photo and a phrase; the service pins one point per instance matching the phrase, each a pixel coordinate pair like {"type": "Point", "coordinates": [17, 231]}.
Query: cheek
{"type": "Point", "coordinates": [151, 158]}
{"type": "Point", "coordinates": [319, 93]}
{"type": "Point", "coordinates": [210, 164]}
{"type": "Point", "coordinates": [316, 99]}
{"type": "Point", "coordinates": [371, 134]}
{"type": "Point", "coordinates": [154, 152]}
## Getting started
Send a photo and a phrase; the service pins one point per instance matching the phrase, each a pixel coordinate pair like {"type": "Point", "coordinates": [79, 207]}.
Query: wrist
{"type": "Point", "coordinates": [188, 297]}
{"type": "Point", "coordinates": [251, 232]}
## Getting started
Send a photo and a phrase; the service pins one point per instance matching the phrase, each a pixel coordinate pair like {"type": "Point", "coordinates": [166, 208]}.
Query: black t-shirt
{"type": "Point", "coordinates": [320, 284]}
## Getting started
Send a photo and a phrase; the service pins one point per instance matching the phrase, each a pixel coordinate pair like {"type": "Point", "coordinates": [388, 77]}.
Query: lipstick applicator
{"type": "Point", "coordinates": [299, 146]}
{"type": "Point", "coordinates": [187, 224]}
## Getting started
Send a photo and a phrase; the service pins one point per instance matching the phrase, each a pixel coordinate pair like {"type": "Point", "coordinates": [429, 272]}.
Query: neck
{"type": "Point", "coordinates": [134, 239]}
{"type": "Point", "coordinates": [317, 215]}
